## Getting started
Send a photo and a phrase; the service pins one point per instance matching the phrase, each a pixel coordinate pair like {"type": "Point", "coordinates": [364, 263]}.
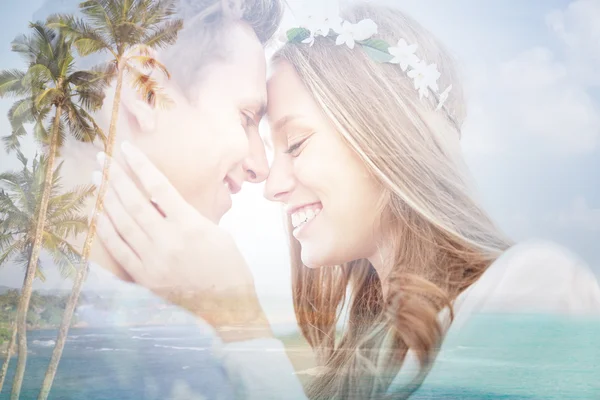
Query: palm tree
{"type": "Point", "coordinates": [20, 203]}
{"type": "Point", "coordinates": [9, 351]}
{"type": "Point", "coordinates": [50, 83]}
{"type": "Point", "coordinates": [129, 31]}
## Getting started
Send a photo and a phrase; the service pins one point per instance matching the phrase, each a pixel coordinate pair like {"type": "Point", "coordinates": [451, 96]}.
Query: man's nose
{"type": "Point", "coordinates": [256, 166]}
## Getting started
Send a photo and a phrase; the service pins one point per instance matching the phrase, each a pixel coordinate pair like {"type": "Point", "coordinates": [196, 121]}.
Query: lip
{"type": "Point", "coordinates": [292, 209]}
{"type": "Point", "coordinates": [234, 187]}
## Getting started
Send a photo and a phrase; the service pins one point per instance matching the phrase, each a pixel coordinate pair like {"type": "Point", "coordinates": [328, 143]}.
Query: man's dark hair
{"type": "Point", "coordinates": [204, 37]}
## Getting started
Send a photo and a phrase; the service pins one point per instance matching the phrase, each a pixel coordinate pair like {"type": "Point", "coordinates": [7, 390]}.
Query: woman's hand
{"type": "Point", "coordinates": [164, 244]}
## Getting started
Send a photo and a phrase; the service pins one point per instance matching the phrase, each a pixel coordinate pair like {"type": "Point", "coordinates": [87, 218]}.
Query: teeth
{"type": "Point", "coordinates": [301, 217]}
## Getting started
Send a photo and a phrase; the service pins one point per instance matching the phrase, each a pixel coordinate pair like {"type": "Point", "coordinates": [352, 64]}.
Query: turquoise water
{"type": "Point", "coordinates": [494, 357]}
{"type": "Point", "coordinates": [124, 364]}
{"type": "Point", "coordinates": [518, 357]}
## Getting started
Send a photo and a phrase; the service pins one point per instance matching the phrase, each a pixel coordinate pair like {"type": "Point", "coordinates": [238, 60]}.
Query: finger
{"type": "Point", "coordinates": [156, 184]}
{"type": "Point", "coordinates": [136, 204]}
{"type": "Point", "coordinates": [131, 233]}
{"type": "Point", "coordinates": [117, 248]}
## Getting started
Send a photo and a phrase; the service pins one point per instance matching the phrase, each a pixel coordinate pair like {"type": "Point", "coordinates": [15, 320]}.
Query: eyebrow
{"type": "Point", "coordinates": [260, 105]}
{"type": "Point", "coordinates": [282, 122]}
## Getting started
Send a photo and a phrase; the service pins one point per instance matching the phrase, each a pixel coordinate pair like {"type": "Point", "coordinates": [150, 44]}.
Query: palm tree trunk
{"type": "Point", "coordinates": [9, 353]}
{"type": "Point", "coordinates": [83, 270]}
{"type": "Point", "coordinates": [33, 261]}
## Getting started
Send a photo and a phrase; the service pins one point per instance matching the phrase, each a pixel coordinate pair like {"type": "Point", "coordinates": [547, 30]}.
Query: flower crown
{"type": "Point", "coordinates": [424, 75]}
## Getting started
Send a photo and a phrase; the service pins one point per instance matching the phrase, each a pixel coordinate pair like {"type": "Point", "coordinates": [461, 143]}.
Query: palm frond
{"type": "Point", "coordinates": [43, 37]}
{"type": "Point", "coordinates": [164, 36]}
{"type": "Point", "coordinates": [65, 260]}
{"type": "Point", "coordinates": [150, 63]}
{"type": "Point", "coordinates": [69, 226]}
{"type": "Point", "coordinates": [25, 46]}
{"type": "Point", "coordinates": [106, 72]}
{"type": "Point", "coordinates": [95, 129]}
{"type": "Point", "coordinates": [148, 88]}
{"type": "Point", "coordinates": [21, 157]}
{"type": "Point", "coordinates": [11, 251]}
{"type": "Point", "coordinates": [79, 126]}
{"type": "Point", "coordinates": [40, 132]}
{"type": "Point", "coordinates": [86, 39]}
{"type": "Point", "coordinates": [157, 12]}
{"type": "Point", "coordinates": [48, 97]}
{"type": "Point", "coordinates": [65, 256]}
{"type": "Point", "coordinates": [6, 240]}
{"type": "Point", "coordinates": [22, 111]}
{"type": "Point", "coordinates": [90, 98]}
{"type": "Point", "coordinates": [103, 15]}
{"type": "Point", "coordinates": [129, 32]}
{"type": "Point", "coordinates": [94, 79]}
{"type": "Point", "coordinates": [11, 83]}
{"type": "Point", "coordinates": [15, 185]}
{"type": "Point", "coordinates": [73, 201]}
{"type": "Point", "coordinates": [38, 75]}
{"type": "Point", "coordinates": [23, 258]}
{"type": "Point", "coordinates": [12, 142]}
{"type": "Point", "coordinates": [66, 63]}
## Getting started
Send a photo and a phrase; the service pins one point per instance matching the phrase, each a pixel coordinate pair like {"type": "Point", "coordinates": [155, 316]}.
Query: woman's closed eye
{"type": "Point", "coordinates": [295, 149]}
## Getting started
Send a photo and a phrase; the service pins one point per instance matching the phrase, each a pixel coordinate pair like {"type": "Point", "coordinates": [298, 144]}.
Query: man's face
{"type": "Point", "coordinates": [208, 143]}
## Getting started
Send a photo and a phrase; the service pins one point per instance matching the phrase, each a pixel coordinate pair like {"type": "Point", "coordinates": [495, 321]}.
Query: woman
{"type": "Point", "coordinates": [381, 217]}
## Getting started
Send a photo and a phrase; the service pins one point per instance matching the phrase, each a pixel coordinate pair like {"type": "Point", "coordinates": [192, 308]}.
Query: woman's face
{"type": "Point", "coordinates": [326, 188]}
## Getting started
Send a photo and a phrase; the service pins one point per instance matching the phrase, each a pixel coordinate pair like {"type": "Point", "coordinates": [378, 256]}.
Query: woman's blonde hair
{"type": "Point", "coordinates": [442, 240]}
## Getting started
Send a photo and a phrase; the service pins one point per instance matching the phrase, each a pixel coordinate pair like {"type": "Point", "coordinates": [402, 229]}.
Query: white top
{"type": "Point", "coordinates": [531, 278]}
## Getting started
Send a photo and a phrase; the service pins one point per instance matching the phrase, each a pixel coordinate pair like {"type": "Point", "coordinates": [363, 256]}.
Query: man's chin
{"type": "Point", "coordinates": [217, 215]}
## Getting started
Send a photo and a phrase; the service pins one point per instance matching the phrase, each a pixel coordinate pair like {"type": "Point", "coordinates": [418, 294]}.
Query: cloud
{"type": "Point", "coordinates": [531, 101]}
{"type": "Point", "coordinates": [578, 30]}
{"type": "Point", "coordinates": [580, 215]}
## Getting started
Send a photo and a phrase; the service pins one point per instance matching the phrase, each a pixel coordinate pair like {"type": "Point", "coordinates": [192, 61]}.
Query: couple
{"type": "Point", "coordinates": [366, 162]}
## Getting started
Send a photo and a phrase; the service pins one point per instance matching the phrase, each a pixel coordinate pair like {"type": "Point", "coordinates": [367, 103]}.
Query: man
{"type": "Point", "coordinates": [207, 144]}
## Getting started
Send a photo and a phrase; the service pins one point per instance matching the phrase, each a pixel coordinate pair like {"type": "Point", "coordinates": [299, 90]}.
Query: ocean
{"type": "Point", "coordinates": [494, 357]}
{"type": "Point", "coordinates": [123, 364]}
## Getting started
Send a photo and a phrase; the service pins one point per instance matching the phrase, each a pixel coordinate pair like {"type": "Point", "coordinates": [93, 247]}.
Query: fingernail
{"type": "Point", "coordinates": [127, 148]}
{"type": "Point", "coordinates": [101, 158]}
{"type": "Point", "coordinates": [97, 178]}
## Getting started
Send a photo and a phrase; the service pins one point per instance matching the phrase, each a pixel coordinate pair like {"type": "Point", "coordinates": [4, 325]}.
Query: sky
{"type": "Point", "coordinates": [531, 71]}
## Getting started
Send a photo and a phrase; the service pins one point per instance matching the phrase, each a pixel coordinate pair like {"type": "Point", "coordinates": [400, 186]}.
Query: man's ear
{"type": "Point", "coordinates": [140, 115]}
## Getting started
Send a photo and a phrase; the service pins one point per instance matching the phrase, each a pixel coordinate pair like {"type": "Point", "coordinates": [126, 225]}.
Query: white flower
{"type": "Point", "coordinates": [443, 97]}
{"type": "Point", "coordinates": [364, 29]}
{"type": "Point", "coordinates": [345, 35]}
{"type": "Point", "coordinates": [425, 77]}
{"type": "Point", "coordinates": [309, 40]}
{"type": "Point", "coordinates": [403, 54]}
{"type": "Point", "coordinates": [349, 33]}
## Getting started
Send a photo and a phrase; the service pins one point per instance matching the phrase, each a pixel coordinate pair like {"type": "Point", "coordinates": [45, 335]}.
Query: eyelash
{"type": "Point", "coordinates": [295, 146]}
{"type": "Point", "coordinates": [249, 120]}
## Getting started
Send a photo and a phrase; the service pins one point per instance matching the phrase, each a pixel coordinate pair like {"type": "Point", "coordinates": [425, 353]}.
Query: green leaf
{"type": "Point", "coordinates": [377, 50]}
{"type": "Point", "coordinates": [378, 44]}
{"type": "Point", "coordinates": [297, 35]}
